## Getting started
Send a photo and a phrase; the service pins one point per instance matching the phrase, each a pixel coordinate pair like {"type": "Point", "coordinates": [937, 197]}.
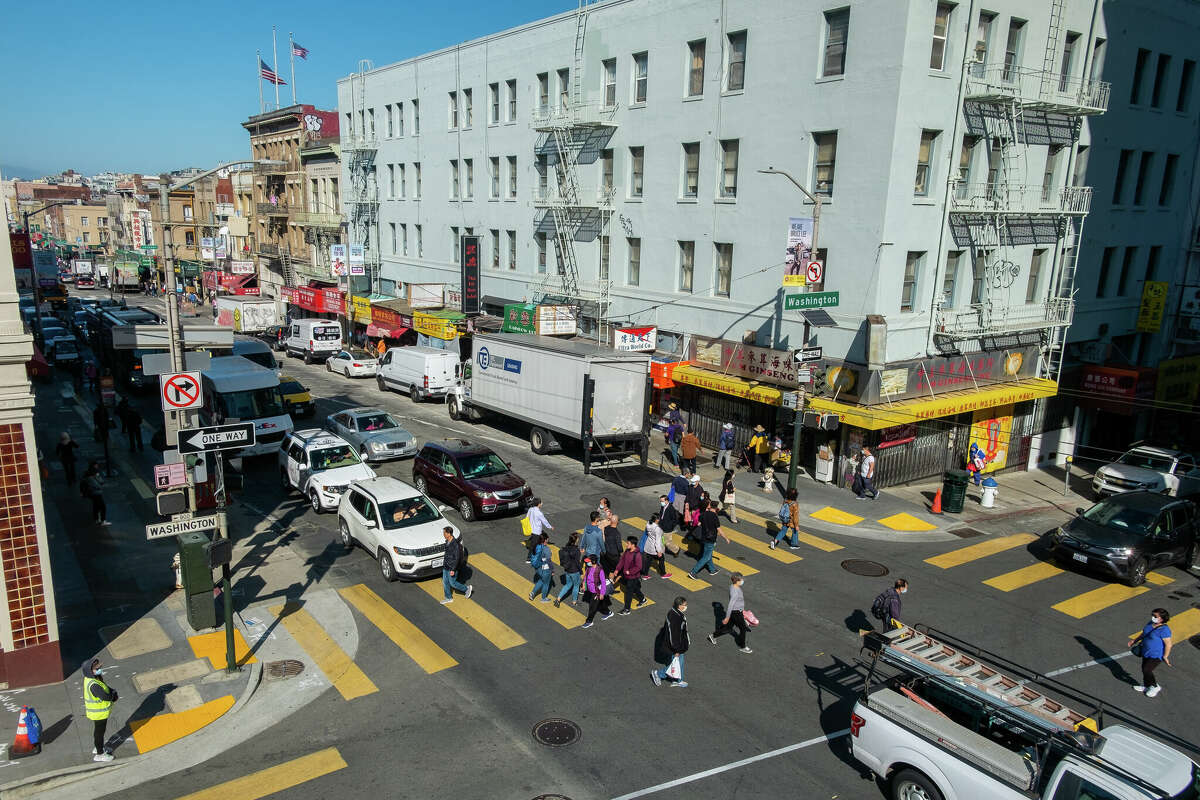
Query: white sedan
{"type": "Point", "coordinates": [353, 363]}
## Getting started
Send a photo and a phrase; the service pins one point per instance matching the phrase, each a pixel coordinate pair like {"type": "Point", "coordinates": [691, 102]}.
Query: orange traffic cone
{"type": "Point", "coordinates": [937, 503]}
{"type": "Point", "coordinates": [21, 745]}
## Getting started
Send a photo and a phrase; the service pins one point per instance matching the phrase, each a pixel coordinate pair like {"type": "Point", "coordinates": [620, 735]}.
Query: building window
{"type": "Point", "coordinates": [1152, 261]}
{"type": "Point", "coordinates": [941, 23]}
{"type": "Point", "coordinates": [908, 289]}
{"type": "Point", "coordinates": [924, 160]}
{"type": "Point", "coordinates": [468, 108]}
{"type": "Point", "coordinates": [495, 248]}
{"type": "Point", "coordinates": [691, 168]}
{"type": "Point", "coordinates": [610, 82]}
{"type": "Point", "coordinates": [1160, 79]}
{"type": "Point", "coordinates": [1105, 268]}
{"type": "Point", "coordinates": [187, 212]}
{"type": "Point", "coordinates": [1052, 157]}
{"type": "Point", "coordinates": [391, 181]}
{"type": "Point", "coordinates": [1185, 85]}
{"type": "Point", "coordinates": [189, 239]}
{"type": "Point", "coordinates": [729, 167]}
{"type": "Point", "coordinates": [1126, 270]}
{"type": "Point", "coordinates": [641, 76]}
{"type": "Point", "coordinates": [493, 103]}
{"type": "Point", "coordinates": [453, 98]}
{"type": "Point", "coordinates": [1167, 187]}
{"type": "Point", "coordinates": [454, 242]}
{"type": "Point", "coordinates": [1068, 59]}
{"type": "Point", "coordinates": [420, 242]}
{"type": "Point", "coordinates": [635, 261]}
{"type": "Point", "coordinates": [687, 265]}
{"type": "Point", "coordinates": [87, 237]}
{"type": "Point", "coordinates": [735, 75]}
{"type": "Point", "coordinates": [470, 164]}
{"type": "Point", "coordinates": [605, 255]}
{"type": "Point", "coordinates": [1119, 181]}
{"type": "Point", "coordinates": [1081, 161]}
{"type": "Point", "coordinates": [965, 153]}
{"type": "Point", "coordinates": [564, 91]}
{"type": "Point", "coordinates": [543, 80]}
{"type": "Point", "coordinates": [511, 88]}
{"type": "Point", "coordinates": [606, 173]}
{"type": "Point", "coordinates": [417, 179]}
{"type": "Point", "coordinates": [391, 126]}
{"type": "Point", "coordinates": [978, 271]}
{"type": "Point", "coordinates": [826, 156]}
{"type": "Point", "coordinates": [983, 35]}
{"type": "Point", "coordinates": [695, 86]}
{"type": "Point", "coordinates": [1035, 276]}
{"type": "Point", "coordinates": [349, 123]}
{"type": "Point", "coordinates": [416, 117]}
{"type": "Point", "coordinates": [371, 119]}
{"type": "Point", "coordinates": [1012, 49]}
{"type": "Point", "coordinates": [1139, 184]}
{"type": "Point", "coordinates": [541, 163]}
{"type": "Point", "coordinates": [399, 119]}
{"type": "Point", "coordinates": [454, 179]}
{"type": "Point", "coordinates": [837, 28]}
{"type": "Point", "coordinates": [512, 177]}
{"type": "Point", "coordinates": [637, 163]}
{"type": "Point", "coordinates": [395, 238]}
{"type": "Point", "coordinates": [403, 184]}
{"type": "Point", "coordinates": [724, 253]}
{"type": "Point", "coordinates": [83, 222]}
{"type": "Point", "coordinates": [404, 239]}
{"type": "Point", "coordinates": [540, 239]}
{"type": "Point", "coordinates": [950, 278]}
{"type": "Point", "coordinates": [1139, 76]}
{"type": "Point", "coordinates": [494, 163]}
{"type": "Point", "coordinates": [512, 250]}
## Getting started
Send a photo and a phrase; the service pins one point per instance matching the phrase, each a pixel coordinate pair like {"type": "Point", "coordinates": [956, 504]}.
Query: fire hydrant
{"type": "Point", "coordinates": [990, 488]}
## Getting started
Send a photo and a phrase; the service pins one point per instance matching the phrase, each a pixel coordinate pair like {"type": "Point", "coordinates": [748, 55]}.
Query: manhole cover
{"type": "Point", "coordinates": [288, 668]}
{"type": "Point", "coordinates": [868, 569]}
{"type": "Point", "coordinates": [551, 797]}
{"type": "Point", "coordinates": [965, 533]}
{"type": "Point", "coordinates": [556, 733]}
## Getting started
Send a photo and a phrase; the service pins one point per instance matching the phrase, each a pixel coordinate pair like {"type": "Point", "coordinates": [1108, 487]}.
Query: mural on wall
{"type": "Point", "coordinates": [990, 432]}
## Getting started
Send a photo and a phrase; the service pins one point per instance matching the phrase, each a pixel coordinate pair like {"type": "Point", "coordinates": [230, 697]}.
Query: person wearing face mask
{"type": "Point", "coordinates": [675, 642]}
{"type": "Point", "coordinates": [887, 605]}
{"type": "Point", "coordinates": [1154, 646]}
{"type": "Point", "coordinates": [98, 700]}
{"type": "Point", "coordinates": [735, 620]}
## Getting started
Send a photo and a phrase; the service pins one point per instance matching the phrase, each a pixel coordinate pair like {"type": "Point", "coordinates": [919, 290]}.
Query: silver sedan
{"type": "Point", "coordinates": [353, 363]}
{"type": "Point", "coordinates": [374, 432]}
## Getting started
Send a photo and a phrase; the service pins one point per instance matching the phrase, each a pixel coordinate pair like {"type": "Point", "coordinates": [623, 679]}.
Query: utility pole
{"type": "Point", "coordinates": [801, 399]}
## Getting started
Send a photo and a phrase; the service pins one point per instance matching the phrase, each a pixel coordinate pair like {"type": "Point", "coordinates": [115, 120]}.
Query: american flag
{"type": "Point", "coordinates": [297, 50]}
{"type": "Point", "coordinates": [268, 74]}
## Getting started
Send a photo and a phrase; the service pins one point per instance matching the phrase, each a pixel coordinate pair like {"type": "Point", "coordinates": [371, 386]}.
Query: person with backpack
{"type": "Point", "coordinates": [735, 619]}
{"type": "Point", "coordinates": [454, 559]}
{"type": "Point", "coordinates": [728, 496]}
{"type": "Point", "coordinates": [725, 444]}
{"type": "Point", "coordinates": [679, 489]}
{"type": "Point", "coordinates": [630, 570]}
{"type": "Point", "coordinates": [675, 642]}
{"type": "Point", "coordinates": [710, 529]}
{"type": "Point", "coordinates": [593, 538]}
{"type": "Point", "coordinates": [595, 585]}
{"type": "Point", "coordinates": [886, 607]}
{"type": "Point", "coordinates": [612, 543]}
{"type": "Point", "coordinates": [789, 520]}
{"type": "Point", "coordinates": [570, 558]}
{"type": "Point", "coordinates": [542, 573]}
{"type": "Point", "coordinates": [653, 549]}
{"type": "Point", "coordinates": [668, 521]}
{"type": "Point", "coordinates": [92, 487]}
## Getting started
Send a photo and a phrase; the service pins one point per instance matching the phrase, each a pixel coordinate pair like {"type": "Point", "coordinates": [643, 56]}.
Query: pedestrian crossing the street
{"type": "Point", "coordinates": [521, 585]}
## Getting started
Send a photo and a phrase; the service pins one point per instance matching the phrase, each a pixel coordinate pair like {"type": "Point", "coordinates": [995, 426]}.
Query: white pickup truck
{"type": "Point", "coordinates": [946, 726]}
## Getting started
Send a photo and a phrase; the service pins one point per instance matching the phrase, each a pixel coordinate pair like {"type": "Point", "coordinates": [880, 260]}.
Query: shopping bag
{"type": "Point", "coordinates": [751, 620]}
{"type": "Point", "coordinates": [526, 526]}
{"type": "Point", "coordinates": [674, 670]}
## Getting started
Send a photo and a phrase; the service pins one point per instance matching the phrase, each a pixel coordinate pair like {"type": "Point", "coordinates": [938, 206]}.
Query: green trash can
{"type": "Point", "coordinates": [954, 490]}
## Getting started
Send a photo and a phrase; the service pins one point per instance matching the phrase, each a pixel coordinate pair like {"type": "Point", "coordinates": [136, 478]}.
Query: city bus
{"type": "Point", "coordinates": [238, 390]}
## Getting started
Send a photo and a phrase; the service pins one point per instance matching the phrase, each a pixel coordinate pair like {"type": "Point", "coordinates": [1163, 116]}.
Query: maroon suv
{"type": "Point", "coordinates": [477, 481]}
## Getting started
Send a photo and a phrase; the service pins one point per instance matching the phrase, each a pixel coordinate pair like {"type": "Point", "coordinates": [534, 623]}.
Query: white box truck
{"type": "Point", "coordinates": [246, 314]}
{"type": "Point", "coordinates": [562, 389]}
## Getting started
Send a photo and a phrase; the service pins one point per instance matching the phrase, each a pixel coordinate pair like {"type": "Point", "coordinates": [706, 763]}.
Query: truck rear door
{"type": "Point", "coordinates": [619, 402]}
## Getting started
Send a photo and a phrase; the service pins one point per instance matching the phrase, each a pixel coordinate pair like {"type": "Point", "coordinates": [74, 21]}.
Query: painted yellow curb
{"type": "Point", "coordinates": [906, 522]}
{"type": "Point", "coordinates": [836, 516]}
{"type": "Point", "coordinates": [165, 728]}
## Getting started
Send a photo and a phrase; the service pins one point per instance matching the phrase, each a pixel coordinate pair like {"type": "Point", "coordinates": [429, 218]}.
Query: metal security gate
{"type": "Point", "coordinates": [933, 451]}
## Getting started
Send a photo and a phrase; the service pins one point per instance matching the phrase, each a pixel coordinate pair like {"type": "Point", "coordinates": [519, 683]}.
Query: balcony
{"type": "Point", "coordinates": [995, 83]}
{"type": "Point", "coordinates": [360, 141]}
{"type": "Point", "coordinates": [985, 199]}
{"type": "Point", "coordinates": [269, 249]}
{"type": "Point", "coordinates": [271, 209]}
{"type": "Point", "coordinates": [274, 169]}
{"type": "Point", "coordinates": [316, 219]}
{"type": "Point", "coordinates": [589, 115]}
{"type": "Point", "coordinates": [589, 197]}
{"type": "Point", "coordinates": [985, 319]}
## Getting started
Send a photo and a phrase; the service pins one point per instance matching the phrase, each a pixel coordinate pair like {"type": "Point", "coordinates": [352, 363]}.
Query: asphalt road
{"type": "Point", "coordinates": [465, 730]}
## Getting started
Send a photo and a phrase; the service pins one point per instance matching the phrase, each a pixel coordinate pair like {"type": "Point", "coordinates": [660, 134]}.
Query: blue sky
{"type": "Point", "coordinates": [141, 86]}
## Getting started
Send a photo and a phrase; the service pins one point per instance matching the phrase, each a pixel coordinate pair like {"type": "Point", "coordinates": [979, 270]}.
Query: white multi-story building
{"type": "Point", "coordinates": [615, 157]}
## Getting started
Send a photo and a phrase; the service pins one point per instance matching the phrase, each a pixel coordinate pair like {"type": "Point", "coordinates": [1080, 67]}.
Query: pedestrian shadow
{"type": "Point", "coordinates": [859, 621]}
{"type": "Point", "coordinates": [151, 705]}
{"type": "Point", "coordinates": [1106, 660]}
{"type": "Point", "coordinates": [49, 734]}
{"type": "Point", "coordinates": [837, 686]}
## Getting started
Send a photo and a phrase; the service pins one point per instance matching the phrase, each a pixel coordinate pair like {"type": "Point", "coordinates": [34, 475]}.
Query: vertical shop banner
{"type": "Point", "coordinates": [337, 260]}
{"type": "Point", "coordinates": [22, 250]}
{"type": "Point", "coordinates": [207, 248]}
{"type": "Point", "coordinates": [1154, 301]}
{"type": "Point", "coordinates": [45, 265]}
{"type": "Point", "coordinates": [470, 274]}
{"type": "Point", "coordinates": [990, 432]}
{"type": "Point", "coordinates": [799, 250]}
{"type": "Point", "coordinates": [358, 259]}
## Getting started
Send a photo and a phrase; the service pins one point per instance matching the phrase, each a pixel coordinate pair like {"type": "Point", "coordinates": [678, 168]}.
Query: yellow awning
{"type": "Point", "coordinates": [727, 384]}
{"type": "Point", "coordinates": [881, 416]}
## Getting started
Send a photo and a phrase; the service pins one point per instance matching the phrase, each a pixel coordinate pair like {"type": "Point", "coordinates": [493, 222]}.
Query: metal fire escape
{"type": "Point", "coordinates": [359, 145]}
{"type": "Point", "coordinates": [573, 132]}
{"type": "Point", "coordinates": [1011, 109]}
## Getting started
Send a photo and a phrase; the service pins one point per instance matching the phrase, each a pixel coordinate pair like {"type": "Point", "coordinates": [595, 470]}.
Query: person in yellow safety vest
{"type": "Point", "coordinates": [760, 446]}
{"type": "Point", "coordinates": [98, 699]}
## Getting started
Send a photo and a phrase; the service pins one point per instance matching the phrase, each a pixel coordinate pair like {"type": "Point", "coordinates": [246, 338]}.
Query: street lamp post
{"type": "Point", "coordinates": [815, 199]}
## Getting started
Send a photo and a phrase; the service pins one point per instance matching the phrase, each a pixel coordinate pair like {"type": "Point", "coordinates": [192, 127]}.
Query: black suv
{"type": "Point", "coordinates": [1127, 534]}
{"type": "Point", "coordinates": [274, 335]}
{"type": "Point", "coordinates": [477, 481]}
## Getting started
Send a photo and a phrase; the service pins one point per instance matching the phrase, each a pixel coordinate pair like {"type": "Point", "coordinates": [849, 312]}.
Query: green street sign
{"type": "Point", "coordinates": [799, 302]}
{"type": "Point", "coordinates": [149, 247]}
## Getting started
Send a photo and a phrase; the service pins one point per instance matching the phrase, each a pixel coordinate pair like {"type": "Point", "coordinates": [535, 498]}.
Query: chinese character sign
{"type": "Point", "coordinates": [799, 250]}
{"type": "Point", "coordinates": [1154, 300]}
{"type": "Point", "coordinates": [635, 339]}
{"type": "Point", "coordinates": [358, 259]}
{"type": "Point", "coordinates": [337, 260]}
{"type": "Point", "coordinates": [470, 274]}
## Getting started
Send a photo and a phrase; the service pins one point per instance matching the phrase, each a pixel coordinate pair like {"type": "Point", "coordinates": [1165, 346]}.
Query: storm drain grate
{"type": "Point", "coordinates": [556, 732]}
{"type": "Point", "coordinates": [279, 670]}
{"type": "Point", "coordinates": [965, 533]}
{"type": "Point", "coordinates": [868, 569]}
{"type": "Point", "coordinates": [551, 797]}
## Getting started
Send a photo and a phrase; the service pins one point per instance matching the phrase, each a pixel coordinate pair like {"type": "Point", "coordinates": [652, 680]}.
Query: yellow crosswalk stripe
{"type": "Point", "coordinates": [1081, 605]}
{"type": "Point", "coordinates": [964, 555]}
{"type": "Point", "coordinates": [1183, 625]}
{"type": "Point", "coordinates": [483, 621]}
{"type": "Point", "coordinates": [520, 586]}
{"type": "Point", "coordinates": [394, 625]}
{"type": "Point", "coordinates": [1158, 579]}
{"type": "Point", "coordinates": [1023, 577]}
{"type": "Point", "coordinates": [725, 562]}
{"type": "Point", "coordinates": [274, 779]}
{"type": "Point", "coordinates": [807, 538]}
{"type": "Point", "coordinates": [344, 674]}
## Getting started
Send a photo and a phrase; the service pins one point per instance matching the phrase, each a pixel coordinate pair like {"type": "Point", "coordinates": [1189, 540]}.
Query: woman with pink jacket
{"type": "Point", "coordinates": [595, 585]}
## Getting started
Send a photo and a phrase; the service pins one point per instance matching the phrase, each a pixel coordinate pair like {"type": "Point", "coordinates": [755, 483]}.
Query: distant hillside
{"type": "Point", "coordinates": [26, 173]}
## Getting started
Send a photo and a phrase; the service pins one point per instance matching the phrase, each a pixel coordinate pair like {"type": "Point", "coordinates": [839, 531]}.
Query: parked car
{"type": "Point", "coordinates": [1148, 469]}
{"type": "Point", "coordinates": [1128, 534]}
{"type": "Point", "coordinates": [275, 336]}
{"type": "Point", "coordinates": [320, 466]}
{"type": "Point", "coordinates": [376, 433]}
{"type": "Point", "coordinates": [476, 480]}
{"type": "Point", "coordinates": [63, 351]}
{"type": "Point", "coordinates": [353, 363]}
{"type": "Point", "coordinates": [297, 400]}
{"type": "Point", "coordinates": [52, 334]}
{"type": "Point", "coordinates": [397, 524]}
{"type": "Point", "coordinates": [423, 372]}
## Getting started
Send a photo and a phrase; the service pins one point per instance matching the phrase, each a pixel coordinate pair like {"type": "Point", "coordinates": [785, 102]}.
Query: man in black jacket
{"type": "Point", "coordinates": [675, 640]}
{"type": "Point", "coordinates": [451, 563]}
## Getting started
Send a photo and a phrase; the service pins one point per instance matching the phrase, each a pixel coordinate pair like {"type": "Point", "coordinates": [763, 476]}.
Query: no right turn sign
{"type": "Point", "coordinates": [180, 391]}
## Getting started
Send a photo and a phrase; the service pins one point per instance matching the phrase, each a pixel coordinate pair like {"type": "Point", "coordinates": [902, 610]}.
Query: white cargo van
{"type": "Point", "coordinates": [313, 339]}
{"type": "Point", "coordinates": [421, 371]}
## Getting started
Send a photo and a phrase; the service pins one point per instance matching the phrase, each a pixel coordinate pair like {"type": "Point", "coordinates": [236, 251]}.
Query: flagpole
{"type": "Point", "coordinates": [258, 69]}
{"type": "Point", "coordinates": [275, 69]}
{"type": "Point", "coordinates": [292, 56]}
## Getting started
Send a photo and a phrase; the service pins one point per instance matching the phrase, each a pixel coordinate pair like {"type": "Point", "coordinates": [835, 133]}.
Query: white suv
{"type": "Point", "coordinates": [400, 526]}
{"type": "Point", "coordinates": [320, 466]}
{"type": "Point", "coordinates": [1149, 469]}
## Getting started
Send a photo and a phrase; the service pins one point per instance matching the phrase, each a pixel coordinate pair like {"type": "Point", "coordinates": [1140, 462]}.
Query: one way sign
{"type": "Point", "coordinates": [218, 437]}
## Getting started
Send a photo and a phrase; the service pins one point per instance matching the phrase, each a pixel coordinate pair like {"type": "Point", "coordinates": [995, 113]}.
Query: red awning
{"type": "Point", "coordinates": [386, 331]}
